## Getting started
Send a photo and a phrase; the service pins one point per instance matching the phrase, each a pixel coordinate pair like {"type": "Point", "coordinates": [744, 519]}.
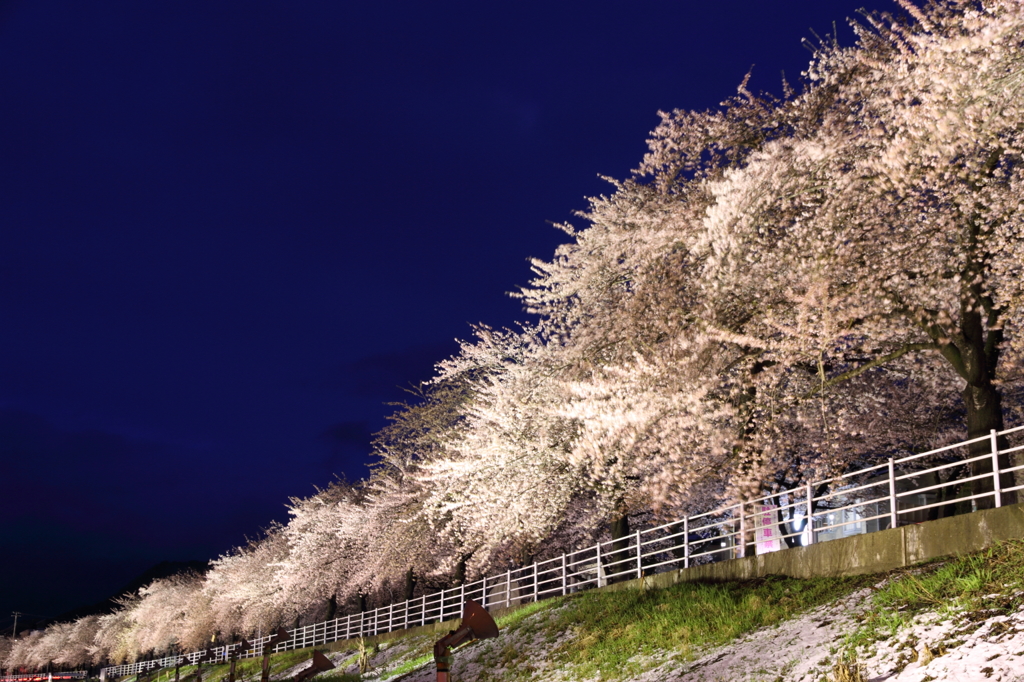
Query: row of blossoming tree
{"type": "Point", "coordinates": [786, 288]}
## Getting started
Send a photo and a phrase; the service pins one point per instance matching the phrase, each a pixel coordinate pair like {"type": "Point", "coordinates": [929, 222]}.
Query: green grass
{"type": "Point", "coordinates": [513, 619]}
{"type": "Point", "coordinates": [985, 581]}
{"type": "Point", "coordinates": [600, 634]}
{"type": "Point", "coordinates": [245, 668]}
{"type": "Point", "coordinates": [335, 676]}
{"type": "Point", "coordinates": [411, 665]}
{"type": "Point", "coordinates": [612, 627]}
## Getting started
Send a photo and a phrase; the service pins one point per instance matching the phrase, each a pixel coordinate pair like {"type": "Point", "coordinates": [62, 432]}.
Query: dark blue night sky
{"type": "Point", "coordinates": [231, 231]}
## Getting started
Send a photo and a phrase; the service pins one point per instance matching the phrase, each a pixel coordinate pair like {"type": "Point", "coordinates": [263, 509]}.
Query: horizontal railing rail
{"type": "Point", "coordinates": [44, 677]}
{"type": "Point", "coordinates": [866, 500]}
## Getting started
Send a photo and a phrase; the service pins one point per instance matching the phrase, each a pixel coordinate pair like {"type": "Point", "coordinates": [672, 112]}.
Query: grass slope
{"type": "Point", "coordinates": [620, 635]}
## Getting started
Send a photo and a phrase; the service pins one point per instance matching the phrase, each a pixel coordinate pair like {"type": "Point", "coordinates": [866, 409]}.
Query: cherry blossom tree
{"type": "Point", "coordinates": [242, 586]}
{"type": "Point", "coordinates": [812, 258]}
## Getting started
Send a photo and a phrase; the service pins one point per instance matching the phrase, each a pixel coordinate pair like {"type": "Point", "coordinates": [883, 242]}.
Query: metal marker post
{"type": "Point", "coordinates": [268, 649]}
{"type": "Point", "coordinates": [234, 656]}
{"type": "Point", "coordinates": [476, 624]}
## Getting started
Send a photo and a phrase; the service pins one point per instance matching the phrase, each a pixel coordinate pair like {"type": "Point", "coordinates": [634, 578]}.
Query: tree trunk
{"type": "Point", "coordinates": [973, 350]}
{"type": "Point", "coordinates": [410, 584]}
{"type": "Point", "coordinates": [984, 413]}
{"type": "Point", "coordinates": [979, 355]}
{"type": "Point", "coordinates": [362, 602]}
{"type": "Point", "coordinates": [619, 528]}
{"type": "Point", "coordinates": [332, 607]}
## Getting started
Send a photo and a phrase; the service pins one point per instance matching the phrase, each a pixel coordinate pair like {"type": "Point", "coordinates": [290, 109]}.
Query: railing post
{"type": "Point", "coordinates": [639, 557]}
{"type": "Point", "coordinates": [423, 609]}
{"type": "Point", "coordinates": [564, 577]}
{"type": "Point", "coordinates": [508, 588]}
{"type": "Point", "coordinates": [743, 531]}
{"type": "Point", "coordinates": [600, 572]}
{"type": "Point", "coordinates": [996, 487]}
{"type": "Point", "coordinates": [483, 596]}
{"type": "Point", "coordinates": [440, 617]}
{"type": "Point", "coordinates": [809, 526]}
{"type": "Point", "coordinates": [686, 542]}
{"type": "Point", "coordinates": [893, 514]}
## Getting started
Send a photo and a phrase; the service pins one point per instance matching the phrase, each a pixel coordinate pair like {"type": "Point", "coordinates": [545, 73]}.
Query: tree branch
{"type": "Point", "coordinates": [908, 348]}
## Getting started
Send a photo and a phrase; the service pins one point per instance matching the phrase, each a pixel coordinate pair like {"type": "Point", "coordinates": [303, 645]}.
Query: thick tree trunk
{"type": "Point", "coordinates": [973, 350]}
{"type": "Point", "coordinates": [979, 355]}
{"type": "Point", "coordinates": [984, 413]}
{"type": "Point", "coordinates": [332, 607]}
{"type": "Point", "coordinates": [362, 603]}
{"type": "Point", "coordinates": [460, 572]}
{"type": "Point", "coordinates": [619, 528]}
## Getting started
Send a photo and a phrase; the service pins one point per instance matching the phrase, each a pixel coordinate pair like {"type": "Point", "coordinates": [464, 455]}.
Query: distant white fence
{"type": "Point", "coordinates": [864, 501]}
{"type": "Point", "coordinates": [44, 677]}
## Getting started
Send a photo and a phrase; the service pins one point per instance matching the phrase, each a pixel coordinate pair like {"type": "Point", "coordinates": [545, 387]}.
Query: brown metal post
{"type": "Point", "coordinates": [265, 675]}
{"type": "Point", "coordinates": [476, 624]}
{"type": "Point", "coordinates": [242, 646]}
{"type": "Point", "coordinates": [208, 655]}
{"type": "Point", "coordinates": [268, 649]}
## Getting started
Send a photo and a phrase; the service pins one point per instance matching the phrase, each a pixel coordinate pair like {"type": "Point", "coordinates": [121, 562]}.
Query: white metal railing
{"type": "Point", "coordinates": [44, 677]}
{"type": "Point", "coordinates": [870, 499]}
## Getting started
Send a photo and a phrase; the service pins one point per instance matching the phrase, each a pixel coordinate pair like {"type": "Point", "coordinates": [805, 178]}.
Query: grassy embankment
{"type": "Point", "coordinates": [246, 669]}
{"type": "Point", "coordinates": [971, 587]}
{"type": "Point", "coordinates": [621, 634]}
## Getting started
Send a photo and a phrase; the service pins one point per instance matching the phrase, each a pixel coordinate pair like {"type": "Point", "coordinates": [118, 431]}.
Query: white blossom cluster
{"type": "Point", "coordinates": [785, 288]}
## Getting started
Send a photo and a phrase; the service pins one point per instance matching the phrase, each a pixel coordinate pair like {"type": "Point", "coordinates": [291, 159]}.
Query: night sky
{"type": "Point", "coordinates": [230, 232]}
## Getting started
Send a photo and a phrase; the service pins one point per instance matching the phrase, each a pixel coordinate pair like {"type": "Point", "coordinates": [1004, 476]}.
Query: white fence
{"type": "Point", "coordinates": [44, 677]}
{"type": "Point", "coordinates": [870, 499]}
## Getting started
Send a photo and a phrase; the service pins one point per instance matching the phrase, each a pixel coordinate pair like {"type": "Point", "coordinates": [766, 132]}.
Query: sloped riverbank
{"type": "Point", "coordinates": [958, 619]}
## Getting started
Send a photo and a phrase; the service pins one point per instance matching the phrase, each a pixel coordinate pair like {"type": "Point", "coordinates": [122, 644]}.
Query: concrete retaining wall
{"type": "Point", "coordinates": [869, 553]}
